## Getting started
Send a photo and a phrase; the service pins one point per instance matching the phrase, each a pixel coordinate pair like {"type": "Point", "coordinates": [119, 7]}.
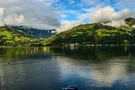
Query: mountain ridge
{"type": "Point", "coordinates": [85, 34]}
{"type": "Point", "coordinates": [38, 33]}
{"type": "Point", "coordinates": [95, 33]}
{"type": "Point", "coordinates": [10, 36]}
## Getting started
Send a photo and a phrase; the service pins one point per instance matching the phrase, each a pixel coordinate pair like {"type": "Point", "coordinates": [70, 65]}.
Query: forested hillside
{"type": "Point", "coordinates": [13, 37]}
{"type": "Point", "coordinates": [96, 33]}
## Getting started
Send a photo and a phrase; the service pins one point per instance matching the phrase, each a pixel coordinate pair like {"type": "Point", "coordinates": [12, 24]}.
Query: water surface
{"type": "Point", "coordinates": [89, 68]}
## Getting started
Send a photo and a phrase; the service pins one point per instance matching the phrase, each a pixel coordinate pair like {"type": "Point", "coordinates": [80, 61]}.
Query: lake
{"type": "Point", "coordinates": [87, 68]}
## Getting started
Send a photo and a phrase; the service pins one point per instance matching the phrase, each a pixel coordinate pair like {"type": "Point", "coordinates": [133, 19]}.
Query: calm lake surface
{"type": "Point", "coordinates": [89, 68]}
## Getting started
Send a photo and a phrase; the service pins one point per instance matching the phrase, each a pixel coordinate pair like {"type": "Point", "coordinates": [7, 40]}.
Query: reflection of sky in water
{"type": "Point", "coordinates": [103, 74]}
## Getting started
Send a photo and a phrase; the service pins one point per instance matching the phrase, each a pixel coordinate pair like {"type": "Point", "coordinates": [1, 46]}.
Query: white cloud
{"type": "Point", "coordinates": [116, 23]}
{"type": "Point", "coordinates": [67, 25]}
{"type": "Point", "coordinates": [10, 19]}
{"type": "Point", "coordinates": [1, 15]}
{"type": "Point", "coordinates": [14, 19]}
{"type": "Point", "coordinates": [108, 14]}
{"type": "Point", "coordinates": [38, 14]}
{"type": "Point", "coordinates": [102, 14]}
{"type": "Point", "coordinates": [1, 11]}
{"type": "Point", "coordinates": [121, 15]}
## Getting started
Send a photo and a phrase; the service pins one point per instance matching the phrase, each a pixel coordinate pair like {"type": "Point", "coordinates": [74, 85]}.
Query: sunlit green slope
{"type": "Point", "coordinates": [10, 36]}
{"type": "Point", "coordinates": [95, 34]}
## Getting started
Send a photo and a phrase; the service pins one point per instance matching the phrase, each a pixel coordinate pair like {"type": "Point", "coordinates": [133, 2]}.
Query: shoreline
{"type": "Point", "coordinates": [73, 45]}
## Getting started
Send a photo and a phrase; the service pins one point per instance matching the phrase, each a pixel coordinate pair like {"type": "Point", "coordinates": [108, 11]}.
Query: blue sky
{"type": "Point", "coordinates": [64, 14]}
{"type": "Point", "coordinates": [73, 8]}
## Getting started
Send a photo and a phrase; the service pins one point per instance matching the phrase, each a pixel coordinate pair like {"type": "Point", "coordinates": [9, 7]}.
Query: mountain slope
{"type": "Point", "coordinates": [10, 36]}
{"type": "Point", "coordinates": [94, 34]}
{"type": "Point", "coordinates": [38, 33]}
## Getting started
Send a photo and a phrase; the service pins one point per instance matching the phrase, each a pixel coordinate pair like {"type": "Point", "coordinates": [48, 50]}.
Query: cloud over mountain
{"type": "Point", "coordinates": [110, 16]}
{"type": "Point", "coordinates": [64, 14]}
{"type": "Point", "coordinates": [37, 14]}
{"type": "Point", "coordinates": [106, 15]}
{"type": "Point", "coordinates": [67, 25]}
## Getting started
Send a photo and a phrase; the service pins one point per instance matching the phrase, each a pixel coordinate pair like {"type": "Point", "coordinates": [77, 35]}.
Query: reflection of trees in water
{"type": "Point", "coordinates": [23, 53]}
{"type": "Point", "coordinates": [95, 53]}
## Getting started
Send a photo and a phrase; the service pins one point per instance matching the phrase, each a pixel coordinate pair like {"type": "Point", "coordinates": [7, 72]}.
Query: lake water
{"type": "Point", "coordinates": [87, 68]}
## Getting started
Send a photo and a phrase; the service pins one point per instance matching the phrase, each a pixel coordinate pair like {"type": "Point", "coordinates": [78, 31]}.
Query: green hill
{"type": "Point", "coordinates": [130, 21]}
{"type": "Point", "coordinates": [87, 34]}
{"type": "Point", "coordinates": [96, 33]}
{"type": "Point", "coordinates": [10, 37]}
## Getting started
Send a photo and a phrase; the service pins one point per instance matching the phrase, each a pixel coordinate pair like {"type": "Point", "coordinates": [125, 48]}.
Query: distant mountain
{"type": "Point", "coordinates": [10, 36]}
{"type": "Point", "coordinates": [38, 33]}
{"type": "Point", "coordinates": [96, 33]}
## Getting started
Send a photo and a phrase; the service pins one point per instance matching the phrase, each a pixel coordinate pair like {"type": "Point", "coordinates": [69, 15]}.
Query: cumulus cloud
{"type": "Point", "coordinates": [1, 12]}
{"type": "Point", "coordinates": [67, 25]}
{"type": "Point", "coordinates": [38, 14]}
{"type": "Point", "coordinates": [102, 14]}
{"type": "Point", "coordinates": [108, 14]}
{"type": "Point", "coordinates": [10, 19]}
{"type": "Point", "coordinates": [14, 19]}
{"type": "Point", "coordinates": [122, 14]}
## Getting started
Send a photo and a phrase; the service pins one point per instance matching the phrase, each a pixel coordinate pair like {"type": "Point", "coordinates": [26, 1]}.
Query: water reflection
{"type": "Point", "coordinates": [19, 54]}
{"type": "Point", "coordinates": [100, 68]}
